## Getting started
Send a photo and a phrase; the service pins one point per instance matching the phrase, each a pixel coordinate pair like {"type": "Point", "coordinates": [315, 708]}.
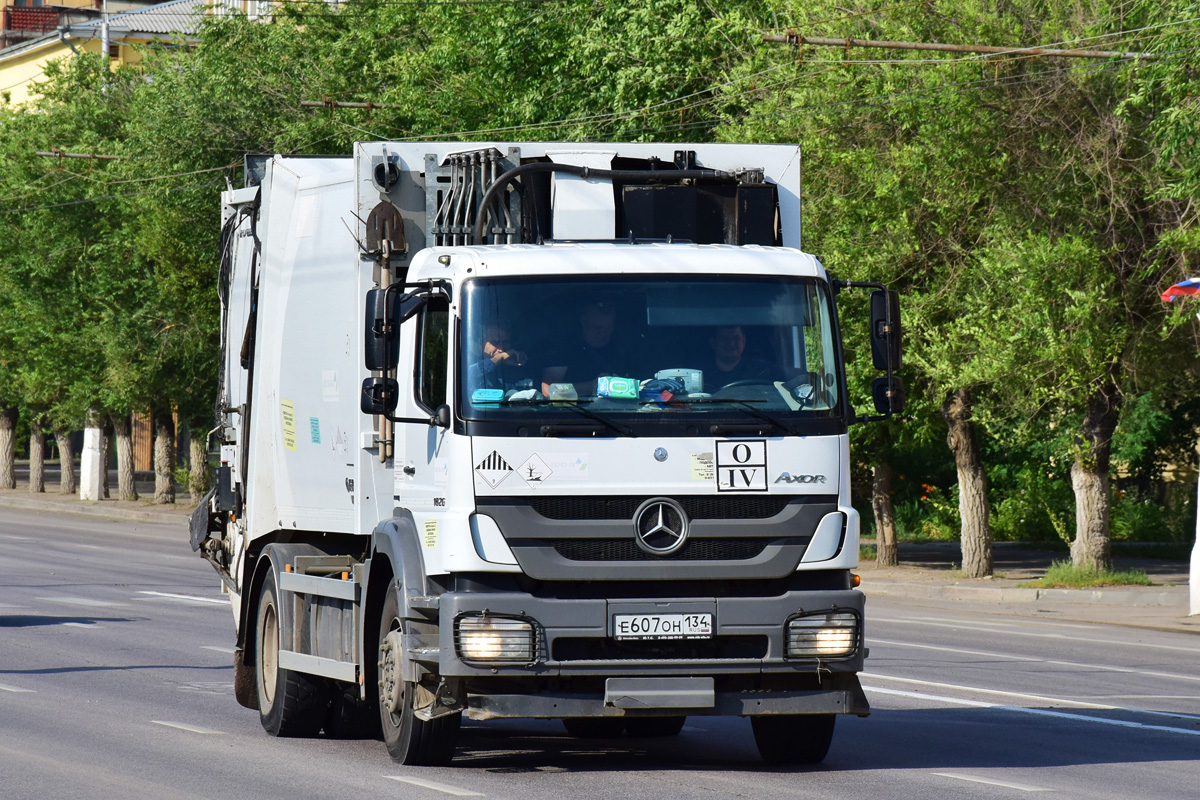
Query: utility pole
{"type": "Point", "coordinates": [104, 37]}
{"type": "Point", "coordinates": [1194, 566]}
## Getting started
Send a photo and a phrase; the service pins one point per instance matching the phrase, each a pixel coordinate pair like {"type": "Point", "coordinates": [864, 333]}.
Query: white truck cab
{"type": "Point", "coordinates": [537, 430]}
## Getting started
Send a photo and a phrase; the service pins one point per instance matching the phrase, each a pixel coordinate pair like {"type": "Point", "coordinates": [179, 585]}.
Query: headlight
{"type": "Point", "coordinates": [494, 639]}
{"type": "Point", "coordinates": [830, 635]}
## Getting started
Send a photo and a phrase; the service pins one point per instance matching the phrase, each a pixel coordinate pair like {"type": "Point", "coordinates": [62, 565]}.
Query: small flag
{"type": "Point", "coordinates": [1188, 288]}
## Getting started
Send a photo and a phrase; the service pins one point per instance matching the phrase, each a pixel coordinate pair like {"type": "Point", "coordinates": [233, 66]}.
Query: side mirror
{"type": "Point", "coordinates": [441, 416]}
{"type": "Point", "coordinates": [375, 335]}
{"type": "Point", "coordinates": [381, 335]}
{"type": "Point", "coordinates": [885, 329]}
{"type": "Point", "coordinates": [888, 394]}
{"type": "Point", "coordinates": [379, 396]}
{"type": "Point", "coordinates": [410, 305]}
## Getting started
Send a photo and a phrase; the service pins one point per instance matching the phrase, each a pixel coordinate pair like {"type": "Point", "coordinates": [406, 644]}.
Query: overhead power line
{"type": "Point", "coordinates": [61, 154]}
{"type": "Point", "coordinates": [796, 40]}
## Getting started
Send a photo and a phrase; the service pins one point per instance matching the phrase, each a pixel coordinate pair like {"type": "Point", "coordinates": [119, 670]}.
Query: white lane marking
{"type": "Point", "coordinates": [189, 728]}
{"type": "Point", "coordinates": [1025, 622]}
{"type": "Point", "coordinates": [193, 598]}
{"type": "Point", "coordinates": [12, 538]}
{"type": "Point", "coordinates": [15, 689]}
{"type": "Point", "coordinates": [437, 787]}
{"type": "Point", "coordinates": [1140, 696]}
{"type": "Point", "coordinates": [1036, 660]}
{"type": "Point", "coordinates": [1043, 698]}
{"type": "Point", "coordinates": [82, 601]}
{"type": "Point", "coordinates": [1030, 635]}
{"type": "Point", "coordinates": [1040, 712]}
{"type": "Point", "coordinates": [88, 625]}
{"type": "Point", "coordinates": [1020, 787]}
{"type": "Point", "coordinates": [84, 546]}
{"type": "Point", "coordinates": [217, 648]}
{"type": "Point", "coordinates": [10, 605]}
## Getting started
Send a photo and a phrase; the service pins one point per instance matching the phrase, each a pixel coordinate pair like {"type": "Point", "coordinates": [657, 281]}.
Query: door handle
{"type": "Point", "coordinates": [410, 470]}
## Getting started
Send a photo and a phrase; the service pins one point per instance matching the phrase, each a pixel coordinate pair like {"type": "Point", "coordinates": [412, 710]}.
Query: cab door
{"type": "Point", "coordinates": [421, 469]}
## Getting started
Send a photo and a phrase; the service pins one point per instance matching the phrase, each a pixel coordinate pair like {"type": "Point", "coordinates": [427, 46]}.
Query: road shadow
{"type": "Point", "coordinates": [928, 739]}
{"type": "Point", "coordinates": [42, 620]}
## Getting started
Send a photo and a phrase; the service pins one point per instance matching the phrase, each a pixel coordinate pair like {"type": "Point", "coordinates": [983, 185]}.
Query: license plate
{"type": "Point", "coordinates": [662, 626]}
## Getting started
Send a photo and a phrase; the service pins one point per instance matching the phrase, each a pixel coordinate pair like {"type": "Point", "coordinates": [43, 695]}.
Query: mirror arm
{"type": "Point", "coordinates": [431, 421]}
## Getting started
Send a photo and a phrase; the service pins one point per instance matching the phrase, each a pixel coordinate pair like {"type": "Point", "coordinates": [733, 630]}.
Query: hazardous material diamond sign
{"type": "Point", "coordinates": [493, 469]}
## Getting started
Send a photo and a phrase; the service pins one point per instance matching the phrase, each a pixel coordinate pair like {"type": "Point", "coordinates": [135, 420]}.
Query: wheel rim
{"type": "Point", "coordinates": [391, 686]}
{"type": "Point", "coordinates": [269, 655]}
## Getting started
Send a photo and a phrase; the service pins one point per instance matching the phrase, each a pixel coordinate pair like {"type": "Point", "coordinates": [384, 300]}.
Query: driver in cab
{"type": "Point", "coordinates": [729, 362]}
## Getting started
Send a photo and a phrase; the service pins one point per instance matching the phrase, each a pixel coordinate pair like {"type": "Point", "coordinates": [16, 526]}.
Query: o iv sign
{"type": "Point", "coordinates": [741, 466]}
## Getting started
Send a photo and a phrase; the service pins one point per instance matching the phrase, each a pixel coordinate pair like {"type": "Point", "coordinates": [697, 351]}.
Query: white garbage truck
{"type": "Point", "coordinates": [538, 430]}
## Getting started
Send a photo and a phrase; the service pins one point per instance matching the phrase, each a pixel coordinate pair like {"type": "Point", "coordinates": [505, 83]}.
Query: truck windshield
{"type": "Point", "coordinates": [647, 354]}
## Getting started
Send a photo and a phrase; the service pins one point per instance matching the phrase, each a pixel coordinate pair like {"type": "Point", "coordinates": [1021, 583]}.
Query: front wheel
{"type": "Point", "coordinates": [793, 738]}
{"type": "Point", "coordinates": [409, 740]}
{"type": "Point", "coordinates": [289, 703]}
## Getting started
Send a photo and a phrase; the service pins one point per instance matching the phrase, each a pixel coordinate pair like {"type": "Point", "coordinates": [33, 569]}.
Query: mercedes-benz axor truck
{"type": "Point", "coordinates": [536, 430]}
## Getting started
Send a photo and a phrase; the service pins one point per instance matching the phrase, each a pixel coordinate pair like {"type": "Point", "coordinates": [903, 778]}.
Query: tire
{"type": "Point", "coordinates": [647, 727]}
{"type": "Point", "coordinates": [351, 717]}
{"type": "Point", "coordinates": [594, 727]}
{"type": "Point", "coordinates": [409, 740]}
{"type": "Point", "coordinates": [793, 738]}
{"type": "Point", "coordinates": [289, 703]}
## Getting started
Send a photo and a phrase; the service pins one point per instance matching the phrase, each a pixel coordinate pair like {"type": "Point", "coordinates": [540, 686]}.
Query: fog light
{"type": "Point", "coordinates": [822, 635]}
{"type": "Point", "coordinates": [494, 639]}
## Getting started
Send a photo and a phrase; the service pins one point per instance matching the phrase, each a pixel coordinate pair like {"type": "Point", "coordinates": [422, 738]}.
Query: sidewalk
{"type": "Point", "coordinates": [141, 510]}
{"type": "Point", "coordinates": [928, 572]}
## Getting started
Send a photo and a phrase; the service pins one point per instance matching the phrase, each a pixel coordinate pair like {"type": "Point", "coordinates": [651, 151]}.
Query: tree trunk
{"type": "Point", "coordinates": [106, 441]}
{"type": "Point", "coordinates": [37, 461]}
{"type": "Point", "coordinates": [197, 468]}
{"type": "Point", "coordinates": [68, 481]}
{"type": "Point", "coordinates": [1092, 548]}
{"type": "Point", "coordinates": [126, 479]}
{"type": "Point", "coordinates": [164, 458]}
{"type": "Point", "coordinates": [973, 509]}
{"type": "Point", "coordinates": [8, 448]}
{"type": "Point", "coordinates": [887, 554]}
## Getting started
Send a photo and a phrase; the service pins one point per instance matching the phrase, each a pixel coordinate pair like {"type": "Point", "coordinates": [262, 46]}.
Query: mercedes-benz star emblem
{"type": "Point", "coordinates": [660, 526]}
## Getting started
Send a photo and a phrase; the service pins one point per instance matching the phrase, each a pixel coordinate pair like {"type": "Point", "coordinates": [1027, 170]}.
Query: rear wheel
{"type": "Point", "coordinates": [289, 703]}
{"type": "Point", "coordinates": [793, 738]}
{"type": "Point", "coordinates": [645, 727]}
{"type": "Point", "coordinates": [409, 740]}
{"type": "Point", "coordinates": [351, 717]}
{"type": "Point", "coordinates": [594, 727]}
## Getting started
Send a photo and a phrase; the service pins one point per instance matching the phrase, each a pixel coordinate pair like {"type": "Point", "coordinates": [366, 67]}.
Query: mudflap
{"type": "Point", "coordinates": [244, 689]}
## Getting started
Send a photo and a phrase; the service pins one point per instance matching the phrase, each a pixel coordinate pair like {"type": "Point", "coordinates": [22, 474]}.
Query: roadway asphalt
{"type": "Point", "coordinates": [115, 681]}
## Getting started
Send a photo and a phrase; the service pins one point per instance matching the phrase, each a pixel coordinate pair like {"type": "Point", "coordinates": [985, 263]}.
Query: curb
{"type": "Point", "coordinates": [97, 509]}
{"type": "Point", "coordinates": [1005, 594]}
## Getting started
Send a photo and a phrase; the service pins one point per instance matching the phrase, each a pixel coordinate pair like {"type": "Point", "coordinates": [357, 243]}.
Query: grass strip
{"type": "Point", "coordinates": [1065, 575]}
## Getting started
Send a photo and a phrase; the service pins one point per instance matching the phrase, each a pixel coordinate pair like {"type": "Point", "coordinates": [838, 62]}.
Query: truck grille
{"type": "Point", "coordinates": [622, 507]}
{"type": "Point", "coordinates": [627, 550]}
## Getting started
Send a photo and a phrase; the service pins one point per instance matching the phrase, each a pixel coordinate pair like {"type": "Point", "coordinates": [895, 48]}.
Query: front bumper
{"type": "Point", "coordinates": [842, 694]}
{"type": "Point", "coordinates": [573, 634]}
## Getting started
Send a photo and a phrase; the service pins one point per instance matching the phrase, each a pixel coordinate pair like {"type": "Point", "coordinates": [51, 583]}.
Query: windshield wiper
{"type": "Point", "coordinates": [744, 405]}
{"type": "Point", "coordinates": [553, 430]}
